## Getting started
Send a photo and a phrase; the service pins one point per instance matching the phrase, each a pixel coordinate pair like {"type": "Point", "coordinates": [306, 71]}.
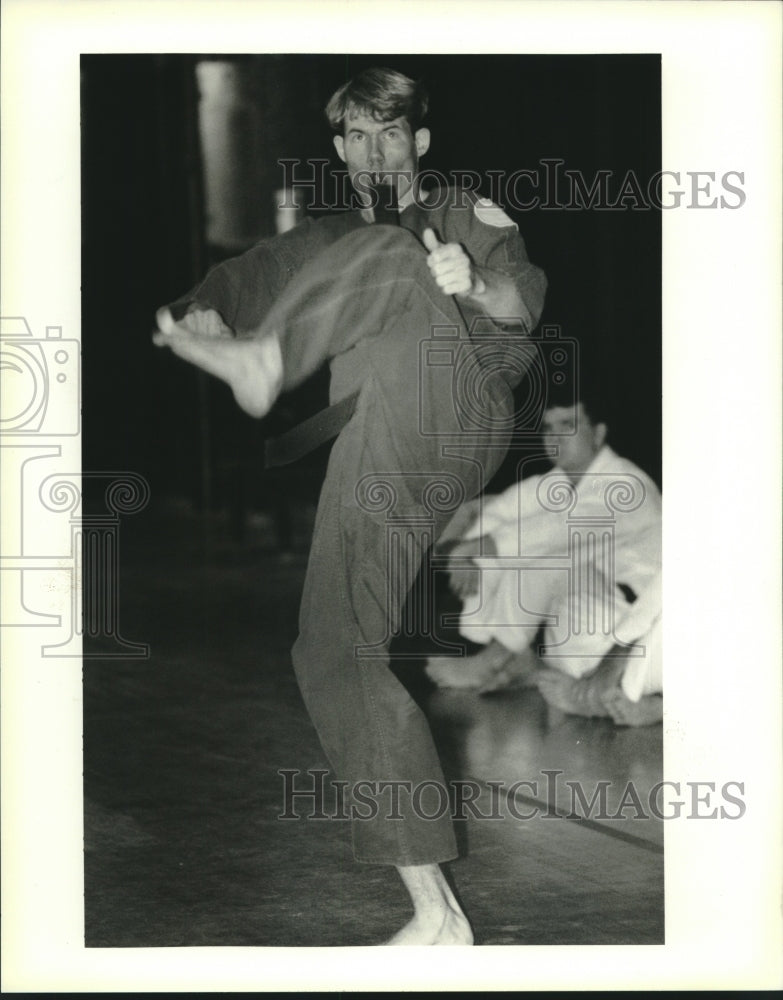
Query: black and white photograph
{"type": "Point", "coordinates": [343, 499]}
{"type": "Point", "coordinates": [415, 504]}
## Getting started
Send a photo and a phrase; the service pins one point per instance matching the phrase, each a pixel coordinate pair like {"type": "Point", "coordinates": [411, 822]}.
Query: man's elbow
{"type": "Point", "coordinates": [533, 295]}
{"type": "Point", "coordinates": [525, 301]}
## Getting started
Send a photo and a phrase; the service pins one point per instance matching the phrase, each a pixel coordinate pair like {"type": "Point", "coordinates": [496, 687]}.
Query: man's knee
{"type": "Point", "coordinates": [382, 246]}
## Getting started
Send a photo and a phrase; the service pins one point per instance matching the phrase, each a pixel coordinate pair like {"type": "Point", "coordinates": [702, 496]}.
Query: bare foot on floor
{"type": "Point", "coordinates": [438, 917]}
{"type": "Point", "coordinates": [573, 695]}
{"type": "Point", "coordinates": [599, 694]}
{"type": "Point", "coordinates": [520, 670]}
{"type": "Point", "coordinates": [452, 928]}
{"type": "Point", "coordinates": [471, 673]}
{"type": "Point", "coordinates": [645, 712]}
{"type": "Point", "coordinates": [253, 368]}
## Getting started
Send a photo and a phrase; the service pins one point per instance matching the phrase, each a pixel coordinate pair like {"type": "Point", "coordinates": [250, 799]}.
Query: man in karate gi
{"type": "Point", "coordinates": [532, 561]}
{"type": "Point", "coordinates": [365, 298]}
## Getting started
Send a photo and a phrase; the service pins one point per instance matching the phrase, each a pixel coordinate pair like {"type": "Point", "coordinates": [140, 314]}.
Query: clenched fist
{"type": "Point", "coordinates": [451, 267]}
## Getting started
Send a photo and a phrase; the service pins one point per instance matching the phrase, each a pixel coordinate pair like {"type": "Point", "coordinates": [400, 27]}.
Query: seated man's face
{"type": "Point", "coordinates": [571, 439]}
{"type": "Point", "coordinates": [385, 148]}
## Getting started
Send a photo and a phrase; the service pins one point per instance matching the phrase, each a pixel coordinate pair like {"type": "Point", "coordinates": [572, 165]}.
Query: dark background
{"type": "Point", "coordinates": [144, 237]}
{"type": "Point", "coordinates": [182, 744]}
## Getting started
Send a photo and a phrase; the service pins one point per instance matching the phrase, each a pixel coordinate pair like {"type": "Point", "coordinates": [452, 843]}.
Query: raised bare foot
{"type": "Point", "coordinates": [252, 367]}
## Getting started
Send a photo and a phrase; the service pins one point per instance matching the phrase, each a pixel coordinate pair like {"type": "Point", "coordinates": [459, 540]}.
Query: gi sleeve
{"type": "Point", "coordinates": [493, 241]}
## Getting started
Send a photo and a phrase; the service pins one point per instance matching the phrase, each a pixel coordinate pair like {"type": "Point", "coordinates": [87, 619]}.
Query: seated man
{"type": "Point", "coordinates": [571, 552]}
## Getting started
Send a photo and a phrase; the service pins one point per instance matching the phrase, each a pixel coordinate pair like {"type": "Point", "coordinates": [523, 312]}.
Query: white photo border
{"type": "Point", "coordinates": [722, 366]}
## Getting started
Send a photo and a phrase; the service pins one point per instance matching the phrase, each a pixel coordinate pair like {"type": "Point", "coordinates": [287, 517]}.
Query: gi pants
{"type": "Point", "coordinates": [396, 474]}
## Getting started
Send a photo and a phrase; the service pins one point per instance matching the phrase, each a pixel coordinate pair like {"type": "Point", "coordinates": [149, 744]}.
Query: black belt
{"type": "Point", "coordinates": [311, 433]}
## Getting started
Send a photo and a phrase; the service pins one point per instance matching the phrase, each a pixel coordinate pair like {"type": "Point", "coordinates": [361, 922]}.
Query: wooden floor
{"type": "Point", "coordinates": [182, 793]}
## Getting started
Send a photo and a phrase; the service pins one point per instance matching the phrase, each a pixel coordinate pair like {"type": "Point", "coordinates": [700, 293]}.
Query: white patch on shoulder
{"type": "Point", "coordinates": [488, 212]}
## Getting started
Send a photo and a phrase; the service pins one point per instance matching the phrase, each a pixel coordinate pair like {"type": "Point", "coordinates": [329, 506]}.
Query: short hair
{"type": "Point", "coordinates": [594, 408]}
{"type": "Point", "coordinates": [583, 382]}
{"type": "Point", "coordinates": [383, 94]}
{"type": "Point", "coordinates": [570, 393]}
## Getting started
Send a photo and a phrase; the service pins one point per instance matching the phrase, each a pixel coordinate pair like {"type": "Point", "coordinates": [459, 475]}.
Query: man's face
{"type": "Point", "coordinates": [389, 149]}
{"type": "Point", "coordinates": [571, 439]}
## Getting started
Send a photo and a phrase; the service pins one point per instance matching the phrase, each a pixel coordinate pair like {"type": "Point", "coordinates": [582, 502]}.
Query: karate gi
{"type": "Point", "coordinates": [362, 298]}
{"type": "Point", "coordinates": [571, 558]}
